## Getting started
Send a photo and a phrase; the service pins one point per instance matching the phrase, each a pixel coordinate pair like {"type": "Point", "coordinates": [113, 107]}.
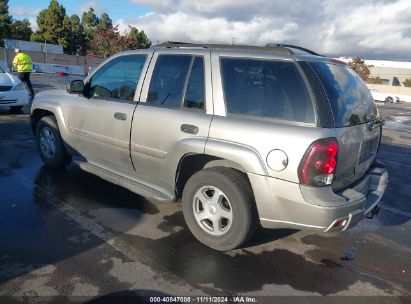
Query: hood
{"type": "Point", "coordinates": [49, 97]}
{"type": "Point", "coordinates": [7, 79]}
{"type": "Point", "coordinates": [54, 92]}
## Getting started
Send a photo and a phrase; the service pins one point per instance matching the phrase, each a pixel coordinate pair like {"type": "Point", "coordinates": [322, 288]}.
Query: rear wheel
{"type": "Point", "coordinates": [219, 208]}
{"type": "Point", "coordinates": [50, 144]}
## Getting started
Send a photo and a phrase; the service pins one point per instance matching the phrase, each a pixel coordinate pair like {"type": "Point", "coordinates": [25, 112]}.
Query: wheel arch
{"type": "Point", "coordinates": [38, 114]}
{"type": "Point", "coordinates": [192, 163]}
{"type": "Point", "coordinates": [42, 110]}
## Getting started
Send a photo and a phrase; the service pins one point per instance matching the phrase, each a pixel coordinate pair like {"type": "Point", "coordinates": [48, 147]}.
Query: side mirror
{"type": "Point", "coordinates": [75, 87]}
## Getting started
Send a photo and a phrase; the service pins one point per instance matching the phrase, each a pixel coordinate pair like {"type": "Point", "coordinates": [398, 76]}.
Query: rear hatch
{"type": "Point", "coordinates": [356, 120]}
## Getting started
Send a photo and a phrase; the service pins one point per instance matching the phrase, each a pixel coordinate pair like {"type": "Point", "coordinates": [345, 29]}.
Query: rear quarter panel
{"type": "Point", "coordinates": [265, 136]}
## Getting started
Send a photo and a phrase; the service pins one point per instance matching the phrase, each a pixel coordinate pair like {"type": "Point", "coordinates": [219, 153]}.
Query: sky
{"type": "Point", "coordinates": [373, 29]}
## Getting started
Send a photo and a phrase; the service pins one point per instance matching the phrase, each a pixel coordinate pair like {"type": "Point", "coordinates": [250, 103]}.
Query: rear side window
{"type": "Point", "coordinates": [177, 81]}
{"type": "Point", "coordinates": [265, 88]}
{"type": "Point", "coordinates": [167, 83]}
{"type": "Point", "coordinates": [194, 97]}
{"type": "Point", "coordinates": [351, 101]}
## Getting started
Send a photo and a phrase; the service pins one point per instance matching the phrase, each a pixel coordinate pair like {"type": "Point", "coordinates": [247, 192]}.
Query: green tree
{"type": "Point", "coordinates": [89, 19]}
{"type": "Point", "coordinates": [359, 66]}
{"type": "Point", "coordinates": [104, 22]}
{"type": "Point", "coordinates": [5, 21]}
{"type": "Point", "coordinates": [77, 39]}
{"type": "Point", "coordinates": [407, 82]}
{"type": "Point", "coordinates": [141, 39]}
{"type": "Point", "coordinates": [20, 30]}
{"type": "Point", "coordinates": [54, 25]}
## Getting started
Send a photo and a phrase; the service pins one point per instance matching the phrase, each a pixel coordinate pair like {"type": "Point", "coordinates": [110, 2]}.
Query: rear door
{"type": "Point", "coordinates": [356, 120]}
{"type": "Point", "coordinates": [174, 114]}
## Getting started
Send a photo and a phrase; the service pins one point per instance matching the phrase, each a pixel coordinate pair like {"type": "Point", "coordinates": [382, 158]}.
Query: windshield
{"type": "Point", "coordinates": [351, 101]}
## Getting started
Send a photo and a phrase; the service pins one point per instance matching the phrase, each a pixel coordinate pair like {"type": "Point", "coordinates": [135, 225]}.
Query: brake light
{"type": "Point", "coordinates": [318, 165]}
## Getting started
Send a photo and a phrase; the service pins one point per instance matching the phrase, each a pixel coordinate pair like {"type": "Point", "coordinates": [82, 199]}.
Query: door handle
{"type": "Point", "coordinates": [190, 129]}
{"type": "Point", "coordinates": [120, 116]}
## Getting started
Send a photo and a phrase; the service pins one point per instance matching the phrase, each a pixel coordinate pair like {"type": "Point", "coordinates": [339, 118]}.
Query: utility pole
{"type": "Point", "coordinates": [5, 54]}
{"type": "Point", "coordinates": [45, 48]}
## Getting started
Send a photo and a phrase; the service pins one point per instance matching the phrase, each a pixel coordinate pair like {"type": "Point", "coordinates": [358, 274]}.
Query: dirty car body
{"type": "Point", "coordinates": [245, 135]}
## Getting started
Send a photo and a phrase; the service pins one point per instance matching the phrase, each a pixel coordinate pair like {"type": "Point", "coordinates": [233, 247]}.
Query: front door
{"type": "Point", "coordinates": [100, 121]}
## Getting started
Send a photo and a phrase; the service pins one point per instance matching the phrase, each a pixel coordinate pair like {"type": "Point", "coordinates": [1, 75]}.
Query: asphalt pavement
{"type": "Point", "coordinates": [69, 235]}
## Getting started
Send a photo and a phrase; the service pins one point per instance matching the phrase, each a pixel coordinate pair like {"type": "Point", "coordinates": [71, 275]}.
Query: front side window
{"type": "Point", "coordinates": [177, 81]}
{"type": "Point", "coordinates": [265, 88]}
{"type": "Point", "coordinates": [118, 78]}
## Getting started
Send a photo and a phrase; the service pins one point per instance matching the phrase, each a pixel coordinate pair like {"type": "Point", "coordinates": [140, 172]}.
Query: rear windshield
{"type": "Point", "coordinates": [265, 88]}
{"type": "Point", "coordinates": [350, 99]}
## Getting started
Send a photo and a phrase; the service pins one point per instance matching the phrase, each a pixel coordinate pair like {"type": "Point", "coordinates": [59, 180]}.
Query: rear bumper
{"type": "Point", "coordinates": [283, 204]}
{"type": "Point", "coordinates": [370, 189]}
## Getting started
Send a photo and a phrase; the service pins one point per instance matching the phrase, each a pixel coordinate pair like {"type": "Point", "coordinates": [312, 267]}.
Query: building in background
{"type": "Point", "coordinates": [48, 58]}
{"type": "Point", "coordinates": [33, 46]}
{"type": "Point", "coordinates": [390, 73]}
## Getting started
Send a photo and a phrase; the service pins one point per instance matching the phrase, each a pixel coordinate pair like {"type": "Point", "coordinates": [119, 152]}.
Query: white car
{"type": "Point", "coordinates": [13, 92]}
{"type": "Point", "coordinates": [384, 97]}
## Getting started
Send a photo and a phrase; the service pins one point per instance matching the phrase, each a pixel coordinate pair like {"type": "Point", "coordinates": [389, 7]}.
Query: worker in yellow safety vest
{"type": "Point", "coordinates": [22, 62]}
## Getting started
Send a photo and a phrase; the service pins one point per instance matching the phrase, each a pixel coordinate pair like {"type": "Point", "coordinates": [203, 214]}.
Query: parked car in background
{"type": "Point", "coordinates": [384, 97]}
{"type": "Point", "coordinates": [13, 92]}
{"type": "Point", "coordinates": [244, 135]}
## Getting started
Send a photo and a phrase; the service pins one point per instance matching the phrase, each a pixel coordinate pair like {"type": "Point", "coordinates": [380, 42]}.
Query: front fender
{"type": "Point", "coordinates": [54, 108]}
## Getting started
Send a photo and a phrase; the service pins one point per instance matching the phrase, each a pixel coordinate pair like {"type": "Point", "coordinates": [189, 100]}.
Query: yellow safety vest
{"type": "Point", "coordinates": [23, 62]}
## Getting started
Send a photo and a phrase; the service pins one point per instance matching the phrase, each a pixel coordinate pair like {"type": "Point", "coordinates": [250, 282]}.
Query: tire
{"type": "Point", "coordinates": [50, 144]}
{"type": "Point", "coordinates": [389, 99]}
{"type": "Point", "coordinates": [235, 197]}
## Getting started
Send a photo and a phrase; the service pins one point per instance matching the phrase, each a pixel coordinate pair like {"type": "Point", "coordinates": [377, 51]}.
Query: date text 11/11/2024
{"type": "Point", "coordinates": [203, 299]}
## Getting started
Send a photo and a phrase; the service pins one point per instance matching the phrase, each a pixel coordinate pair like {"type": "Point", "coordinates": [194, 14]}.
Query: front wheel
{"type": "Point", "coordinates": [219, 208]}
{"type": "Point", "coordinates": [50, 144]}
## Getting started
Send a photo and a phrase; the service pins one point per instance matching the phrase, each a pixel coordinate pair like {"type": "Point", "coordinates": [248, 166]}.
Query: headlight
{"type": "Point", "coordinates": [19, 87]}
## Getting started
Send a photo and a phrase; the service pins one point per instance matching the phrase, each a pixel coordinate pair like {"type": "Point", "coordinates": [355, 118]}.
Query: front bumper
{"type": "Point", "coordinates": [282, 204]}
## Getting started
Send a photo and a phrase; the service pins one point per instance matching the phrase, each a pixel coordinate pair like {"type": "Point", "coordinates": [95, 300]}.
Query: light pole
{"type": "Point", "coordinates": [45, 48]}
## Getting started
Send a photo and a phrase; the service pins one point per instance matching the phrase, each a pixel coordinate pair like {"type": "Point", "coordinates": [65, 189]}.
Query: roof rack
{"type": "Point", "coordinates": [273, 48]}
{"type": "Point", "coordinates": [296, 47]}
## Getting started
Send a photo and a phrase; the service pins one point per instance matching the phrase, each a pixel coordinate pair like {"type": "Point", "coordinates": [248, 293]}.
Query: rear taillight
{"type": "Point", "coordinates": [318, 165]}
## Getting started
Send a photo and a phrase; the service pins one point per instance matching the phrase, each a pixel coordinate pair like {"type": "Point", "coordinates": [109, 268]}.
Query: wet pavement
{"type": "Point", "coordinates": [69, 233]}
